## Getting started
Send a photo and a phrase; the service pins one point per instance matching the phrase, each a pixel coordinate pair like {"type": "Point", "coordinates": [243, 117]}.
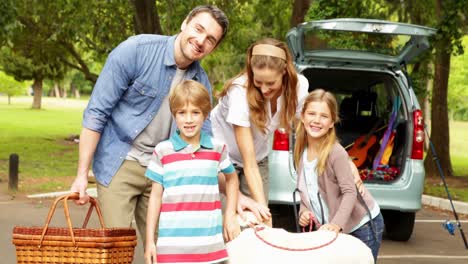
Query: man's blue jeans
{"type": "Point", "coordinates": [366, 234]}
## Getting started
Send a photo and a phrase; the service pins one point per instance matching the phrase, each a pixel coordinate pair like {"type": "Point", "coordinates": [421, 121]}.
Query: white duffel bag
{"type": "Point", "coordinates": [262, 244]}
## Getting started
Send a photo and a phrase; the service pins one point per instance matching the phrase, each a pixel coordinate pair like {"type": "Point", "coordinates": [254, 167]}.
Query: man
{"type": "Point", "coordinates": [128, 113]}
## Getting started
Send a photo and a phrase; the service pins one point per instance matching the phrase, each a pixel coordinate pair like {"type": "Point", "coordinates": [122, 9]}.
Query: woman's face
{"type": "Point", "coordinates": [269, 81]}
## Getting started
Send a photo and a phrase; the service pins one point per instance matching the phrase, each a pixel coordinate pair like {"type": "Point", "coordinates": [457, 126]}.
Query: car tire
{"type": "Point", "coordinates": [398, 225]}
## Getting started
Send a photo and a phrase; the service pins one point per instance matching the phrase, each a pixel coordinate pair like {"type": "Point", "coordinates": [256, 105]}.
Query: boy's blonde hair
{"type": "Point", "coordinates": [189, 91]}
{"type": "Point", "coordinates": [328, 140]}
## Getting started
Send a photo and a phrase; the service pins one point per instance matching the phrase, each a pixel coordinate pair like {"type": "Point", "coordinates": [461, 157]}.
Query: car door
{"type": "Point", "coordinates": [358, 41]}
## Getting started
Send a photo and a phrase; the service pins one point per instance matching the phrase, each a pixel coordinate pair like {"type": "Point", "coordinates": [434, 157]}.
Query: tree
{"type": "Point", "coordinates": [29, 52]}
{"type": "Point", "coordinates": [450, 17]}
{"type": "Point", "coordinates": [47, 38]}
{"type": "Point", "coordinates": [458, 86]}
{"type": "Point", "coordinates": [11, 87]}
{"type": "Point", "coordinates": [300, 8]}
{"type": "Point", "coordinates": [146, 18]}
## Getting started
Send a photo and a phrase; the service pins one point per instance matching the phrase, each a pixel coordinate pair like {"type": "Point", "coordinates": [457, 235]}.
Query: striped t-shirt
{"type": "Point", "coordinates": [190, 221]}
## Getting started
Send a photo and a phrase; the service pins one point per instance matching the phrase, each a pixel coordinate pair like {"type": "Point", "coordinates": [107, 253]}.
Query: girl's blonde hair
{"type": "Point", "coordinates": [189, 91]}
{"type": "Point", "coordinates": [255, 97]}
{"type": "Point", "coordinates": [328, 140]}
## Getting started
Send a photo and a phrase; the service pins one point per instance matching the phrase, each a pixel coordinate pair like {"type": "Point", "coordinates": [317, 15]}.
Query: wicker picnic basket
{"type": "Point", "coordinates": [74, 245]}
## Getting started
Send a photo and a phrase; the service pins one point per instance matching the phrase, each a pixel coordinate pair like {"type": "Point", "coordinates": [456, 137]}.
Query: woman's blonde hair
{"type": "Point", "coordinates": [189, 91]}
{"type": "Point", "coordinates": [255, 97]}
{"type": "Point", "coordinates": [328, 140]}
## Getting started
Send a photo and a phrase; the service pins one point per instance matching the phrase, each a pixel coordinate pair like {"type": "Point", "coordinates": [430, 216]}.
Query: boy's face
{"type": "Point", "coordinates": [189, 120]}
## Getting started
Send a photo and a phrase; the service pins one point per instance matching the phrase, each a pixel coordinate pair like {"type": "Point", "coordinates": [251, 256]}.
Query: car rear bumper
{"type": "Point", "coordinates": [403, 194]}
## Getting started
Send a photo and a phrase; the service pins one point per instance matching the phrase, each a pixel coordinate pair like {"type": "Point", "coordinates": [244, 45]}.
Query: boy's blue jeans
{"type": "Point", "coordinates": [366, 235]}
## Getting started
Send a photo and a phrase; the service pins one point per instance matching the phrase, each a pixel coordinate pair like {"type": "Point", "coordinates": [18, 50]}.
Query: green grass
{"type": "Point", "coordinates": [459, 158]}
{"type": "Point", "coordinates": [47, 162]}
{"type": "Point", "coordinates": [459, 147]}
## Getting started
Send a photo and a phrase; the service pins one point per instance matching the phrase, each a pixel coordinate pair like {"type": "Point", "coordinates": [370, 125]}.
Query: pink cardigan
{"type": "Point", "coordinates": [337, 188]}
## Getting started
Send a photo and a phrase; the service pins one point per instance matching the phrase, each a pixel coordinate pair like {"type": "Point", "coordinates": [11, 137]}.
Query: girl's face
{"type": "Point", "coordinates": [269, 81]}
{"type": "Point", "coordinates": [189, 120]}
{"type": "Point", "coordinates": [317, 119]}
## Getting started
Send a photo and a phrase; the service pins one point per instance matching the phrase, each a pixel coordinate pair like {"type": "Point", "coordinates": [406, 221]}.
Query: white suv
{"type": "Point", "coordinates": [363, 62]}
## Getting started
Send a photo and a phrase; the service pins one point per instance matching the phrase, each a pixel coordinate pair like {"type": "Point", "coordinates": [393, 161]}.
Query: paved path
{"type": "Point", "coordinates": [429, 242]}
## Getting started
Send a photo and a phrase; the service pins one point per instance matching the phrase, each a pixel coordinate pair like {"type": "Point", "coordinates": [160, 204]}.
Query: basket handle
{"type": "Point", "coordinates": [72, 196]}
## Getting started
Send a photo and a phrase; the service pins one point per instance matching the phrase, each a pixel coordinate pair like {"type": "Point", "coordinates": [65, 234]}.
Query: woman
{"type": "Point", "coordinates": [263, 97]}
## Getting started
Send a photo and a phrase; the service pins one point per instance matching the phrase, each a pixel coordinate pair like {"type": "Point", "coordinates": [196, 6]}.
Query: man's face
{"type": "Point", "coordinates": [199, 37]}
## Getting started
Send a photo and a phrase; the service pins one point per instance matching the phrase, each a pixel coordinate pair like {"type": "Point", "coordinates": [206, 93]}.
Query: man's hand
{"type": "Point", "coordinates": [261, 212]}
{"type": "Point", "coordinates": [79, 186]}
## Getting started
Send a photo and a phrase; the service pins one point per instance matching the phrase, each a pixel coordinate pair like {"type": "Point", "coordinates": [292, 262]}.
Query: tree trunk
{"type": "Point", "coordinates": [427, 107]}
{"type": "Point", "coordinates": [9, 99]}
{"type": "Point", "coordinates": [439, 114]}
{"type": "Point", "coordinates": [37, 88]}
{"type": "Point", "coordinates": [56, 90]}
{"type": "Point", "coordinates": [439, 111]}
{"type": "Point", "coordinates": [64, 91]}
{"type": "Point", "coordinates": [74, 91]}
{"type": "Point", "coordinates": [146, 18]}
{"type": "Point", "coordinates": [300, 8]}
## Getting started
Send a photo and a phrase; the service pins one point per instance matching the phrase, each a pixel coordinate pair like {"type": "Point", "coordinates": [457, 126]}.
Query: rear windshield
{"type": "Point", "coordinates": [325, 39]}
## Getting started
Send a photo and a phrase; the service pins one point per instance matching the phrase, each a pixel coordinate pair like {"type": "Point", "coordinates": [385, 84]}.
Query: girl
{"type": "Point", "coordinates": [325, 178]}
{"type": "Point", "coordinates": [263, 97]}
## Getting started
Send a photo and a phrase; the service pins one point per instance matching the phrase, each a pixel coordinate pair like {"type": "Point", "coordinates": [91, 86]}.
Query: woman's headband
{"type": "Point", "coordinates": [269, 50]}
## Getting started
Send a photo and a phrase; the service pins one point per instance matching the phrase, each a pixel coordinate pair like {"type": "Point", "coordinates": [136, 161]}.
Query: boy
{"type": "Point", "coordinates": [185, 194]}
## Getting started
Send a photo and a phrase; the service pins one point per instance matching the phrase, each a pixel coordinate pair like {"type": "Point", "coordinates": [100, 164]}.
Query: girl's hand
{"type": "Point", "coordinates": [231, 227]}
{"type": "Point", "coordinates": [331, 227]}
{"type": "Point", "coordinates": [150, 253]}
{"type": "Point", "coordinates": [304, 219]}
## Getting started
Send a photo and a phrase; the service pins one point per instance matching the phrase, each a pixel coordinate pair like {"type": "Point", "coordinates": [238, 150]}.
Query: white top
{"type": "Point", "coordinates": [233, 109]}
{"type": "Point", "coordinates": [311, 178]}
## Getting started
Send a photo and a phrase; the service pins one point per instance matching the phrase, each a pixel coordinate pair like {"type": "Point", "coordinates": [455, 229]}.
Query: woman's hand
{"type": "Point", "coordinates": [330, 227]}
{"type": "Point", "coordinates": [261, 212]}
{"type": "Point", "coordinates": [357, 178]}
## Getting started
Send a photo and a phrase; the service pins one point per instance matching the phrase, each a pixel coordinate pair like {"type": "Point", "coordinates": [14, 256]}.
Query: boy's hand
{"type": "Point", "coordinates": [231, 227]}
{"type": "Point", "coordinates": [150, 253]}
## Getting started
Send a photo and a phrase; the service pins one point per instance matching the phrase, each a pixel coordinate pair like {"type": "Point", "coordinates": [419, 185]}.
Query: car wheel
{"type": "Point", "coordinates": [398, 225]}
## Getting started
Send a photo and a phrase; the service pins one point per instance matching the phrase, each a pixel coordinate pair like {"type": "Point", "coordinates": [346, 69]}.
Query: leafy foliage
{"type": "Point", "coordinates": [11, 87]}
{"type": "Point", "coordinates": [458, 85]}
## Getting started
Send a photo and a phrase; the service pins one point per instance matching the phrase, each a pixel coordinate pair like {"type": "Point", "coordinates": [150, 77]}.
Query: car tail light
{"type": "Point", "coordinates": [281, 140]}
{"type": "Point", "coordinates": [418, 135]}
